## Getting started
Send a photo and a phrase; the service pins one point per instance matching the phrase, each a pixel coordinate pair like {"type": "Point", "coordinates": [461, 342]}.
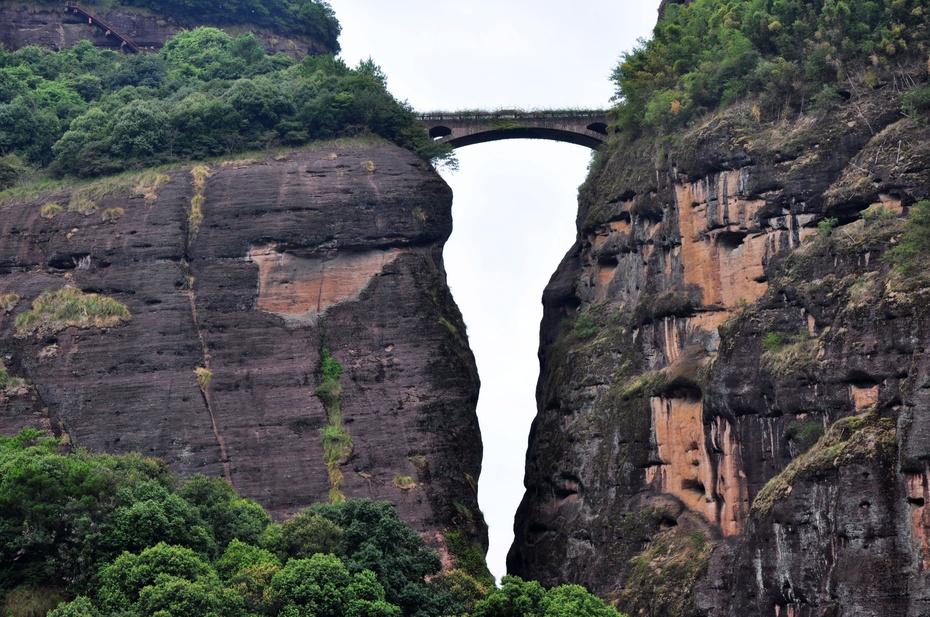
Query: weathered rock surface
{"type": "Point", "coordinates": [700, 338]}
{"type": "Point", "coordinates": [48, 25]}
{"type": "Point", "coordinates": [338, 248]}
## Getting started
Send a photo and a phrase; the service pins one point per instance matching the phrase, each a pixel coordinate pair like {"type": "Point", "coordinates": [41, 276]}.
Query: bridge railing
{"type": "Point", "coordinates": [125, 41]}
{"type": "Point", "coordinates": [511, 114]}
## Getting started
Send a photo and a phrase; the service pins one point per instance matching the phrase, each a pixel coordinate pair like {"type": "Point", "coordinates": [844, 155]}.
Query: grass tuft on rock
{"type": "Point", "coordinates": [55, 310]}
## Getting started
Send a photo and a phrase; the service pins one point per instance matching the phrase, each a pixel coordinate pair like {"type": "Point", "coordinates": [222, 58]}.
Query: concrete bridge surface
{"type": "Point", "coordinates": [463, 128]}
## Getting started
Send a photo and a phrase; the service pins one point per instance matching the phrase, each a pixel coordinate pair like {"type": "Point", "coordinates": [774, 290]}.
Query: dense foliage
{"type": "Point", "coordinates": [790, 52]}
{"type": "Point", "coordinates": [86, 112]}
{"type": "Point", "coordinates": [121, 535]}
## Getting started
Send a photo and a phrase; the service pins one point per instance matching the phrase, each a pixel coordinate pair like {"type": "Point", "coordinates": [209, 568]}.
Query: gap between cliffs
{"type": "Point", "coordinates": [514, 210]}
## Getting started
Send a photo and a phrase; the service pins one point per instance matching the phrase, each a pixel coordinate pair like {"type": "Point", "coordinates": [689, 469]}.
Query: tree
{"type": "Point", "coordinates": [122, 582]}
{"type": "Point", "coordinates": [139, 130]}
{"type": "Point", "coordinates": [225, 514]}
{"type": "Point", "coordinates": [519, 598]}
{"type": "Point", "coordinates": [374, 538]}
{"type": "Point", "coordinates": [323, 587]}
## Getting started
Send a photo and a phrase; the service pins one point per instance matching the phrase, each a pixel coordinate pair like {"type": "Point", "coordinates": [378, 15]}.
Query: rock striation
{"type": "Point", "coordinates": [732, 410]}
{"type": "Point", "coordinates": [237, 276]}
{"type": "Point", "coordinates": [48, 25]}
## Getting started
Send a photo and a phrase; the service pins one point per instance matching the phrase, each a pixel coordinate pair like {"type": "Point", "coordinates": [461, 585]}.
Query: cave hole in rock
{"type": "Point", "coordinates": [514, 209]}
{"type": "Point", "coordinates": [694, 486]}
{"type": "Point", "coordinates": [731, 240]}
{"type": "Point", "coordinates": [862, 380]}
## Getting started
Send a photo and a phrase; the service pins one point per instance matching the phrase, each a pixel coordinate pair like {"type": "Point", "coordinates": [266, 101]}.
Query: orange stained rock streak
{"type": "Point", "coordinates": [864, 398]}
{"type": "Point", "coordinates": [686, 470]}
{"type": "Point", "coordinates": [302, 288]}
{"type": "Point", "coordinates": [727, 268]}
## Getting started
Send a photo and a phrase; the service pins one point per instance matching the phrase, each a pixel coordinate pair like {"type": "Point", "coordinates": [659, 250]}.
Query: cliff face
{"type": "Point", "coordinates": [339, 248]}
{"type": "Point", "coordinates": [45, 25]}
{"type": "Point", "coordinates": [733, 407]}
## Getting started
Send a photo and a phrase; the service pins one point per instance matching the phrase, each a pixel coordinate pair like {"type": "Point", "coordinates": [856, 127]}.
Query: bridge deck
{"type": "Point", "coordinates": [584, 127]}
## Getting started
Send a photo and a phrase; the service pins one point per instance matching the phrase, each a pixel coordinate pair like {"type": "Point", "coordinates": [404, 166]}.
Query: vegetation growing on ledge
{"type": "Point", "coordinates": [10, 384]}
{"type": "Point", "coordinates": [85, 112]}
{"type": "Point", "coordinates": [54, 311]}
{"type": "Point", "coordinates": [469, 558]}
{"type": "Point", "coordinates": [793, 52]}
{"type": "Point", "coordinates": [662, 577]}
{"type": "Point", "coordinates": [849, 440]}
{"type": "Point", "coordinates": [913, 247]}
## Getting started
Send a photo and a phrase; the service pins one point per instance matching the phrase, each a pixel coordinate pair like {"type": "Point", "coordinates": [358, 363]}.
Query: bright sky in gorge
{"type": "Point", "coordinates": [515, 201]}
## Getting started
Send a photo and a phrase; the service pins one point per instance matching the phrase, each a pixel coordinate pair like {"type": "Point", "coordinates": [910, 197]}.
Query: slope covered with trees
{"type": "Point", "coordinates": [122, 535]}
{"type": "Point", "coordinates": [86, 112]}
{"type": "Point", "coordinates": [789, 53]}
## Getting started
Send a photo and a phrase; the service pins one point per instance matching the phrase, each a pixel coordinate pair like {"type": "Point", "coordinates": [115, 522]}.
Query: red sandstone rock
{"type": "Point", "coordinates": [292, 255]}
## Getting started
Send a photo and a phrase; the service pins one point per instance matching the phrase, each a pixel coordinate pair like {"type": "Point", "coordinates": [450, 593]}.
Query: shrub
{"type": "Point", "coordinates": [82, 204]}
{"type": "Point", "coordinates": [773, 341]}
{"type": "Point", "coordinates": [469, 558]}
{"type": "Point", "coordinates": [111, 215]}
{"type": "Point", "coordinates": [826, 227]}
{"type": "Point", "coordinates": [804, 433]}
{"type": "Point", "coordinates": [519, 598]}
{"type": "Point", "coordinates": [204, 375]}
{"type": "Point", "coordinates": [10, 169]}
{"type": "Point", "coordinates": [914, 244]}
{"type": "Point", "coordinates": [9, 301]}
{"type": "Point", "coordinates": [404, 483]}
{"type": "Point", "coordinates": [54, 311]}
{"type": "Point", "coordinates": [584, 326]}
{"type": "Point", "coordinates": [29, 601]}
{"type": "Point", "coordinates": [916, 104]}
{"type": "Point", "coordinates": [50, 210]}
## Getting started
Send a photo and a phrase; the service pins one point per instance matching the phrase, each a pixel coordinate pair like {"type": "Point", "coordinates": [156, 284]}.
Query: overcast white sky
{"type": "Point", "coordinates": [515, 201]}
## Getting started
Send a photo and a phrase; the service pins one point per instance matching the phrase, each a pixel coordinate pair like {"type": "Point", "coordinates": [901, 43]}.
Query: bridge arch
{"type": "Point", "coordinates": [460, 129]}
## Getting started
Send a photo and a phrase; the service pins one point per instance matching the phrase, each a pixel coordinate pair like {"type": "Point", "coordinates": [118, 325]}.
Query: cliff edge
{"type": "Point", "coordinates": [732, 410]}
{"type": "Point", "coordinates": [245, 281]}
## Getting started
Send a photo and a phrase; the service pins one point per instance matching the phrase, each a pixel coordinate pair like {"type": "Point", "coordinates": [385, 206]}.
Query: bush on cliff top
{"type": "Point", "coordinates": [86, 112]}
{"type": "Point", "coordinates": [712, 52]}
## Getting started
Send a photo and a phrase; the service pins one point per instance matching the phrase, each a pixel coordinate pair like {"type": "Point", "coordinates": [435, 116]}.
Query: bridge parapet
{"type": "Point", "coordinates": [584, 127]}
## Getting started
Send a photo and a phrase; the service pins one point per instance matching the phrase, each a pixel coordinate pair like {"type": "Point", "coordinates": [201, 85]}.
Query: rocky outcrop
{"type": "Point", "coordinates": [48, 25]}
{"type": "Point", "coordinates": [732, 402]}
{"type": "Point", "coordinates": [237, 276]}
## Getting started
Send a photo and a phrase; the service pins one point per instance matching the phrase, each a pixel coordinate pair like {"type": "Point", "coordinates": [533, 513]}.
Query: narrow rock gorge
{"type": "Point", "coordinates": [237, 277]}
{"type": "Point", "coordinates": [732, 411]}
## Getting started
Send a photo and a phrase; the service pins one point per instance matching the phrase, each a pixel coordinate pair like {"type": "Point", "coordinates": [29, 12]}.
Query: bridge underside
{"type": "Point", "coordinates": [571, 137]}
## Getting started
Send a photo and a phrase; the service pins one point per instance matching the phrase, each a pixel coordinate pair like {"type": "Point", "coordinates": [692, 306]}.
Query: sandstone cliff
{"type": "Point", "coordinates": [237, 276]}
{"type": "Point", "coordinates": [733, 405]}
{"type": "Point", "coordinates": [48, 25]}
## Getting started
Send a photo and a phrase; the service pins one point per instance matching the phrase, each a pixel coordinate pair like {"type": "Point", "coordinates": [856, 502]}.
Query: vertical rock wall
{"type": "Point", "coordinates": [731, 405]}
{"type": "Point", "coordinates": [338, 248]}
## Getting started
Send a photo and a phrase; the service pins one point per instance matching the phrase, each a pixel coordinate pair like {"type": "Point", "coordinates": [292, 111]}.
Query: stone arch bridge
{"type": "Point", "coordinates": [463, 128]}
